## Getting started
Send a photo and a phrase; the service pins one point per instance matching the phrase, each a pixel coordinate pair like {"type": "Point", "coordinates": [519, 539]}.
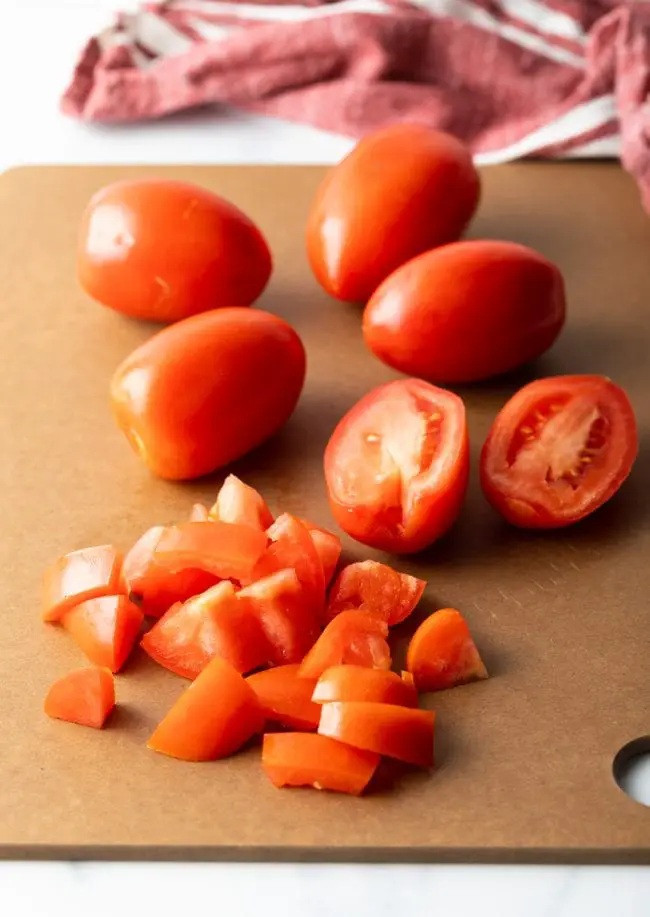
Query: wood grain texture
{"type": "Point", "coordinates": [525, 759]}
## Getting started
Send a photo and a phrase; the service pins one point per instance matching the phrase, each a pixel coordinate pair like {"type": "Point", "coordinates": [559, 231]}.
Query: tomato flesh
{"type": "Point", "coordinates": [238, 503]}
{"type": "Point", "coordinates": [78, 576]}
{"type": "Point", "coordinates": [352, 637]}
{"type": "Point", "coordinates": [106, 629]}
{"type": "Point", "coordinates": [558, 450]}
{"type": "Point", "coordinates": [303, 759]}
{"type": "Point", "coordinates": [397, 466]}
{"type": "Point", "coordinates": [285, 613]}
{"type": "Point", "coordinates": [84, 696]}
{"type": "Point", "coordinates": [442, 653]}
{"type": "Point", "coordinates": [292, 547]}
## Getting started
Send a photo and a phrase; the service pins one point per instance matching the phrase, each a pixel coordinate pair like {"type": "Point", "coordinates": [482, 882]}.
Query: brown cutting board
{"type": "Point", "coordinates": [563, 619]}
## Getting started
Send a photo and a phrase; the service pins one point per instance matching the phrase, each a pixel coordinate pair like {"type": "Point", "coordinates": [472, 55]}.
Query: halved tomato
{"type": "Point", "coordinates": [285, 698]}
{"type": "Point", "coordinates": [397, 466]}
{"type": "Point", "coordinates": [352, 637]}
{"type": "Point", "coordinates": [152, 585]}
{"type": "Point", "coordinates": [214, 624]}
{"type": "Point", "coordinates": [237, 502]}
{"type": "Point", "coordinates": [371, 586]}
{"type": "Point", "coordinates": [559, 449]}
{"type": "Point", "coordinates": [287, 617]}
{"type": "Point", "coordinates": [292, 547]}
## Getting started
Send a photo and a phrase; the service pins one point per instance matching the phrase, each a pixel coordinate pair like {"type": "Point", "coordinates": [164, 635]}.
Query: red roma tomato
{"type": "Point", "coordinates": [400, 192]}
{"type": "Point", "coordinates": [466, 311]}
{"type": "Point", "coordinates": [206, 391]}
{"type": "Point", "coordinates": [371, 586]}
{"type": "Point", "coordinates": [559, 449]}
{"type": "Point", "coordinates": [397, 466]}
{"type": "Point", "coordinates": [165, 250]}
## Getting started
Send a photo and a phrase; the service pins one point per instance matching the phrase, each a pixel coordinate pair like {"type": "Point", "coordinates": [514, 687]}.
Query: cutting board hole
{"type": "Point", "coordinates": [632, 770]}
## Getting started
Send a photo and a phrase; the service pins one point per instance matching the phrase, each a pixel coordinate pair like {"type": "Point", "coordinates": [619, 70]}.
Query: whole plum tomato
{"type": "Point", "coordinates": [205, 391]}
{"type": "Point", "coordinates": [401, 191]}
{"type": "Point", "coordinates": [466, 311]}
{"type": "Point", "coordinates": [164, 250]}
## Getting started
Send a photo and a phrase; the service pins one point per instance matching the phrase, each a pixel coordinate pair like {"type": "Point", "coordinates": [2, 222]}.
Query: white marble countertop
{"type": "Point", "coordinates": [39, 40]}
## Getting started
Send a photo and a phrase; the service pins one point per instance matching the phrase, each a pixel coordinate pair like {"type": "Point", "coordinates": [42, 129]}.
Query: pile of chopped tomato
{"type": "Point", "coordinates": [274, 640]}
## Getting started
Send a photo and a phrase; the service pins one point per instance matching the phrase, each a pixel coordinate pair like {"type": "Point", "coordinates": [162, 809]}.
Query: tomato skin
{"type": "Point", "coordinates": [401, 191]}
{"type": "Point", "coordinates": [207, 390]}
{"type": "Point", "coordinates": [466, 311]}
{"type": "Point", "coordinates": [399, 412]}
{"type": "Point", "coordinates": [527, 488]}
{"type": "Point", "coordinates": [164, 250]}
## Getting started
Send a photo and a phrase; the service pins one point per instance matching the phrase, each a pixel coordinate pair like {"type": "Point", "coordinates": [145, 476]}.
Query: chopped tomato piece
{"type": "Point", "coordinates": [397, 732]}
{"type": "Point", "coordinates": [352, 637]}
{"type": "Point", "coordinates": [371, 586]}
{"type": "Point", "coordinates": [285, 698]}
{"type": "Point", "coordinates": [106, 629]}
{"type": "Point", "coordinates": [212, 718]}
{"type": "Point", "coordinates": [154, 587]}
{"type": "Point", "coordinates": [304, 759]}
{"type": "Point", "coordinates": [442, 654]}
{"type": "Point", "coordinates": [238, 503]}
{"type": "Point", "coordinates": [281, 605]}
{"type": "Point", "coordinates": [292, 547]}
{"type": "Point", "coordinates": [397, 466]}
{"type": "Point", "coordinates": [356, 682]}
{"type": "Point", "coordinates": [85, 696]}
{"type": "Point", "coordinates": [214, 624]}
{"type": "Point", "coordinates": [226, 550]}
{"type": "Point", "coordinates": [199, 513]}
{"type": "Point", "coordinates": [328, 547]}
{"type": "Point", "coordinates": [558, 450]}
{"type": "Point", "coordinates": [78, 576]}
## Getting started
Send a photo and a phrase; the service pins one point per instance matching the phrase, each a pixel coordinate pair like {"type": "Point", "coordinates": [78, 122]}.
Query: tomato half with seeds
{"type": "Point", "coordinates": [558, 450]}
{"type": "Point", "coordinates": [397, 466]}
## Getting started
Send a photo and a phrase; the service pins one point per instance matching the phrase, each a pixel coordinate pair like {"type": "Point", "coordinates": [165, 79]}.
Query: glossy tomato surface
{"type": "Point", "coordinates": [401, 191]}
{"type": "Point", "coordinates": [207, 390]}
{"type": "Point", "coordinates": [164, 250]}
{"type": "Point", "coordinates": [559, 449]}
{"type": "Point", "coordinates": [466, 311]}
{"type": "Point", "coordinates": [397, 466]}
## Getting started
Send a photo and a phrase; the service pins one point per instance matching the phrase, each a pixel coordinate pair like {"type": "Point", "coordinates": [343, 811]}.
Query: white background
{"type": "Point", "coordinates": [39, 41]}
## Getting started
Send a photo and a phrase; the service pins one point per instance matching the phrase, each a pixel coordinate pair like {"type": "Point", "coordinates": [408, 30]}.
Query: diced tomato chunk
{"type": "Point", "coordinates": [304, 759]}
{"type": "Point", "coordinates": [352, 637]}
{"type": "Point", "coordinates": [238, 503]}
{"type": "Point", "coordinates": [375, 587]}
{"type": "Point", "coordinates": [152, 585]}
{"type": "Point", "coordinates": [212, 718]}
{"type": "Point", "coordinates": [85, 696]}
{"type": "Point", "coordinates": [226, 550]}
{"type": "Point", "coordinates": [355, 682]}
{"type": "Point", "coordinates": [285, 698]}
{"type": "Point", "coordinates": [292, 547]}
{"type": "Point", "coordinates": [397, 732]}
{"type": "Point", "coordinates": [442, 653]}
{"type": "Point", "coordinates": [78, 576]}
{"type": "Point", "coordinates": [214, 624]}
{"type": "Point", "coordinates": [106, 629]}
{"type": "Point", "coordinates": [285, 613]}
{"type": "Point", "coordinates": [328, 547]}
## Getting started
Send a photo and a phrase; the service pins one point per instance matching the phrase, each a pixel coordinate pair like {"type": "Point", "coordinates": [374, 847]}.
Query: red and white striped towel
{"type": "Point", "coordinates": [512, 77]}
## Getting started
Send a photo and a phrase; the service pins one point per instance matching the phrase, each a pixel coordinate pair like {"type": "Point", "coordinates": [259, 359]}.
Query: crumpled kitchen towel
{"type": "Point", "coordinates": [512, 77]}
